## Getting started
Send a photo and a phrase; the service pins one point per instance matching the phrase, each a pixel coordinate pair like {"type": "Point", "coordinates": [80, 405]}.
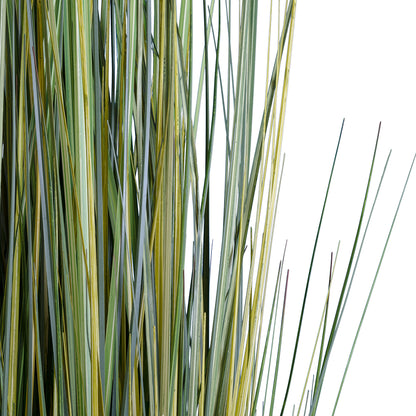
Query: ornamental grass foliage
{"type": "Point", "coordinates": [105, 197]}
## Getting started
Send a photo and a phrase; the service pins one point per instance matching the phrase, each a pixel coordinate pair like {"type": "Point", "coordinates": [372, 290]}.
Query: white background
{"type": "Point", "coordinates": [352, 59]}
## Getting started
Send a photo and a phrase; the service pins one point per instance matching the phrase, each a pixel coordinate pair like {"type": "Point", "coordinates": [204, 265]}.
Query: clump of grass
{"type": "Point", "coordinates": [99, 179]}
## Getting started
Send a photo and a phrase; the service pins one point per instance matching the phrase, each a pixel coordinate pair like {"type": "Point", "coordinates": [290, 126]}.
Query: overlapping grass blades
{"type": "Point", "coordinates": [99, 176]}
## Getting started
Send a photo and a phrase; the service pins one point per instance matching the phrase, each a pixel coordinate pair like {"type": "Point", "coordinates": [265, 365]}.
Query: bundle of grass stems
{"type": "Point", "coordinates": [103, 198]}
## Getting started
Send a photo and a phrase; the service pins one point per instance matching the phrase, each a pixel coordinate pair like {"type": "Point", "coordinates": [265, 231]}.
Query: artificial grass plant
{"type": "Point", "coordinates": [100, 179]}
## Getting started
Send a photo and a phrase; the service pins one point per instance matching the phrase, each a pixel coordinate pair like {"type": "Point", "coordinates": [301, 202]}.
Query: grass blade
{"type": "Point", "coordinates": [309, 274]}
{"type": "Point", "coordinates": [341, 296]}
{"type": "Point", "coordinates": [7, 405]}
{"type": "Point", "coordinates": [373, 284]}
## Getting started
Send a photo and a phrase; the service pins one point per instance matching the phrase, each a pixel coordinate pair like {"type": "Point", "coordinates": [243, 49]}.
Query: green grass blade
{"type": "Point", "coordinates": [276, 371]}
{"type": "Point", "coordinates": [143, 195]}
{"type": "Point", "coordinates": [100, 191]}
{"type": "Point", "coordinates": [7, 407]}
{"type": "Point", "coordinates": [29, 276]}
{"type": "Point", "coordinates": [195, 328]}
{"type": "Point", "coordinates": [309, 274]}
{"type": "Point", "coordinates": [273, 316]}
{"type": "Point", "coordinates": [69, 318]}
{"type": "Point", "coordinates": [373, 283]}
{"type": "Point", "coordinates": [341, 296]}
{"type": "Point", "coordinates": [110, 339]}
{"type": "Point", "coordinates": [2, 69]}
{"type": "Point", "coordinates": [206, 243]}
{"type": "Point", "coordinates": [363, 239]}
{"type": "Point", "coordinates": [201, 71]}
{"type": "Point", "coordinates": [254, 171]}
{"type": "Point", "coordinates": [321, 349]}
{"type": "Point", "coordinates": [185, 196]}
{"type": "Point", "coordinates": [44, 205]}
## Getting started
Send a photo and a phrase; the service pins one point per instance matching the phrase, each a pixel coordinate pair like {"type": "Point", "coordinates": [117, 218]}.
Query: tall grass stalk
{"type": "Point", "coordinates": [103, 198]}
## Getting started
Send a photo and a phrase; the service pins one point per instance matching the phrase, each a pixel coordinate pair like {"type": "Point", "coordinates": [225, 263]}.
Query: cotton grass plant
{"type": "Point", "coordinates": [103, 196]}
